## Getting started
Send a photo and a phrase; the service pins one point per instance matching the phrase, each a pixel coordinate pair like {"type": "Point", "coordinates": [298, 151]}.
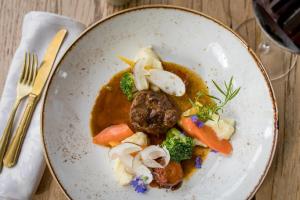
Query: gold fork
{"type": "Point", "coordinates": [24, 87]}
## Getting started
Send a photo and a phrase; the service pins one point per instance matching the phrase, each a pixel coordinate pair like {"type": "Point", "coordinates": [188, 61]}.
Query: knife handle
{"type": "Point", "coordinates": [6, 135]}
{"type": "Point", "coordinates": [13, 152]}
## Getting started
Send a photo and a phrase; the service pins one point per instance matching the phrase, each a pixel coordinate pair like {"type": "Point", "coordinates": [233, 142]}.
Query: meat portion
{"type": "Point", "coordinates": [169, 176]}
{"type": "Point", "coordinates": [153, 113]}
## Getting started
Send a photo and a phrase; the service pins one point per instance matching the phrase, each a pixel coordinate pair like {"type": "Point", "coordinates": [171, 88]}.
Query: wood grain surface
{"type": "Point", "coordinates": [283, 179]}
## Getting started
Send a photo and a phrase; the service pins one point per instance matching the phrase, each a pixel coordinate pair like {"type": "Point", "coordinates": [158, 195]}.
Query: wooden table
{"type": "Point", "coordinates": [283, 179]}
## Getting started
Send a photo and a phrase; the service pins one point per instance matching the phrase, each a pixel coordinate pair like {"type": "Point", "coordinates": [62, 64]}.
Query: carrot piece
{"type": "Point", "coordinates": [113, 134]}
{"type": "Point", "coordinates": [205, 134]}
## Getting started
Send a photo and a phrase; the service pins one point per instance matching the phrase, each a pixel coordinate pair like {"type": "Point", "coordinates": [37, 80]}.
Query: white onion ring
{"type": "Point", "coordinates": [145, 159]}
{"type": "Point", "coordinates": [168, 157]}
{"type": "Point", "coordinates": [125, 148]}
{"type": "Point", "coordinates": [139, 73]}
{"type": "Point", "coordinates": [150, 153]}
{"type": "Point", "coordinates": [141, 170]}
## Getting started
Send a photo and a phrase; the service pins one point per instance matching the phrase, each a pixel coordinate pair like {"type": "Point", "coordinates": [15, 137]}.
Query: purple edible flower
{"type": "Point", "coordinates": [196, 121]}
{"type": "Point", "coordinates": [134, 183]}
{"type": "Point", "coordinates": [139, 184]}
{"type": "Point", "coordinates": [214, 151]}
{"type": "Point", "coordinates": [198, 162]}
{"type": "Point", "coordinates": [194, 118]}
{"type": "Point", "coordinates": [199, 124]}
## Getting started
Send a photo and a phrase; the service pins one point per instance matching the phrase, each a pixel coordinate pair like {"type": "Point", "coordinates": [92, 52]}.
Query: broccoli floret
{"type": "Point", "coordinates": [127, 85]}
{"type": "Point", "coordinates": [179, 146]}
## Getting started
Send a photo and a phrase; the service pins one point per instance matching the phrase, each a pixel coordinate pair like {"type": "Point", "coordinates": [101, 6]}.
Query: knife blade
{"type": "Point", "coordinates": [13, 151]}
{"type": "Point", "coordinates": [48, 61]}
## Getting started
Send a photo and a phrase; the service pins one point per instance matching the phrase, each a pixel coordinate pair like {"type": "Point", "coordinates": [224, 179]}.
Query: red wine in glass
{"type": "Point", "coordinates": [280, 19]}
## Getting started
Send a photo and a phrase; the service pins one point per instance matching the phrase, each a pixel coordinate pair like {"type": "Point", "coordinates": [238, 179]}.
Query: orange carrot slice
{"type": "Point", "coordinates": [205, 134]}
{"type": "Point", "coordinates": [113, 134]}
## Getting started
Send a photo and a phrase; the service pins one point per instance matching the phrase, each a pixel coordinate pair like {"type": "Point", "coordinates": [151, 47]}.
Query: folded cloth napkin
{"type": "Point", "coordinates": [21, 181]}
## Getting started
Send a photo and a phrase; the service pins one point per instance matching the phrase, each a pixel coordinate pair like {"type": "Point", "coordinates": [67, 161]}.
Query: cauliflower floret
{"type": "Point", "coordinates": [122, 176]}
{"type": "Point", "coordinates": [138, 138]}
{"type": "Point", "coordinates": [224, 128]}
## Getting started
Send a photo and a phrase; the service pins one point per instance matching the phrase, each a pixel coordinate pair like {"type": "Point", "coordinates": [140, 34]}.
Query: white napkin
{"type": "Point", "coordinates": [21, 181]}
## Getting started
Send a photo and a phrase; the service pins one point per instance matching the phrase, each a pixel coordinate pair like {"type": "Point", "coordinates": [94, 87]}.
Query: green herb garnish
{"type": "Point", "coordinates": [127, 85]}
{"type": "Point", "coordinates": [205, 112]}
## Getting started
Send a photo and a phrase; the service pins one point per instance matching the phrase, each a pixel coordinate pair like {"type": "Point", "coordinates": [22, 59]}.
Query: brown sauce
{"type": "Point", "coordinates": [112, 107]}
{"type": "Point", "coordinates": [188, 166]}
{"type": "Point", "coordinates": [193, 83]}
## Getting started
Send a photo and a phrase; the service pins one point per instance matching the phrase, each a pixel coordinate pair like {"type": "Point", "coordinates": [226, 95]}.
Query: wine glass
{"type": "Point", "coordinates": [279, 21]}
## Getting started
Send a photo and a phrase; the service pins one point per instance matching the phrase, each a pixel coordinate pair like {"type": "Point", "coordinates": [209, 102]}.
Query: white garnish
{"type": "Point", "coordinates": [150, 153]}
{"type": "Point", "coordinates": [141, 170]}
{"type": "Point", "coordinates": [123, 149]}
{"type": "Point", "coordinates": [168, 82]}
{"type": "Point", "coordinates": [138, 138]}
{"type": "Point", "coordinates": [223, 127]}
{"type": "Point", "coordinates": [139, 73]}
{"type": "Point", "coordinates": [150, 58]}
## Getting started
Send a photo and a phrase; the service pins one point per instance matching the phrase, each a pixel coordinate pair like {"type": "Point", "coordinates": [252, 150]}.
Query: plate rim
{"type": "Point", "coordinates": [188, 10]}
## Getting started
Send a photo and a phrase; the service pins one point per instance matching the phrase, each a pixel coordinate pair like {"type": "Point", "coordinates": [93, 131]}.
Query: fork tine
{"type": "Point", "coordinates": [22, 76]}
{"type": "Point", "coordinates": [36, 65]}
{"type": "Point", "coordinates": [27, 63]}
{"type": "Point", "coordinates": [30, 69]}
{"type": "Point", "coordinates": [34, 68]}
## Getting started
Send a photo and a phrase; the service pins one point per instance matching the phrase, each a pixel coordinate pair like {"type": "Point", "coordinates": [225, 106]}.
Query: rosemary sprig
{"type": "Point", "coordinates": [205, 112]}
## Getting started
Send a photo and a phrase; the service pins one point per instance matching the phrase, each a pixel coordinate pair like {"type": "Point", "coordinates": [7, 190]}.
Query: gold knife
{"type": "Point", "coordinates": [12, 154]}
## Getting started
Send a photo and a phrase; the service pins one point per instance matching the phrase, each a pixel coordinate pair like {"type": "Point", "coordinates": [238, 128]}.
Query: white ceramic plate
{"type": "Point", "coordinates": [178, 35]}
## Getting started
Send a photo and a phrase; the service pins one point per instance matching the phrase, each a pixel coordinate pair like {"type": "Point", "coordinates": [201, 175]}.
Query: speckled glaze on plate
{"type": "Point", "coordinates": [179, 35]}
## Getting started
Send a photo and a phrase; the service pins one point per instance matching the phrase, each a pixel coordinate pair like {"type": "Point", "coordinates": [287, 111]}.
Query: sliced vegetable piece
{"type": "Point", "coordinates": [152, 163]}
{"type": "Point", "coordinates": [168, 82]}
{"type": "Point", "coordinates": [224, 128]}
{"type": "Point", "coordinates": [150, 153]}
{"type": "Point", "coordinates": [139, 73]}
{"type": "Point", "coordinates": [150, 57]}
{"type": "Point", "coordinates": [141, 170]}
{"type": "Point", "coordinates": [123, 149]}
{"type": "Point", "coordinates": [138, 138]}
{"type": "Point", "coordinates": [113, 134]}
{"type": "Point", "coordinates": [206, 135]}
{"type": "Point", "coordinates": [123, 153]}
